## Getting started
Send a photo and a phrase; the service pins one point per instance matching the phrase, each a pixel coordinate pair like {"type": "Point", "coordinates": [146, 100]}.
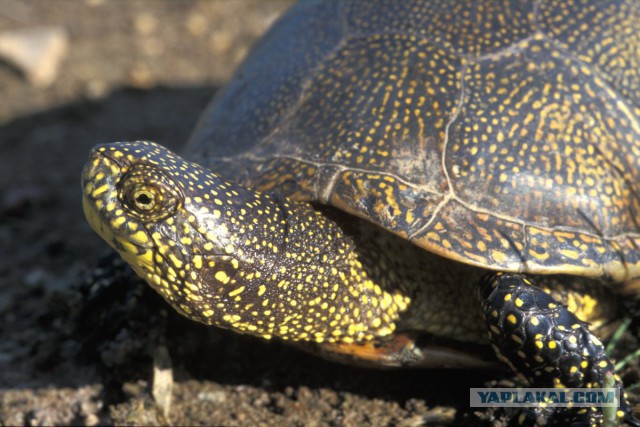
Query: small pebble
{"type": "Point", "coordinates": [140, 77]}
{"type": "Point", "coordinates": [36, 52]}
{"type": "Point", "coordinates": [91, 420]}
{"type": "Point", "coordinates": [96, 89]}
{"type": "Point", "coordinates": [197, 24]}
{"type": "Point", "coordinates": [213, 396]}
{"type": "Point", "coordinates": [220, 42]}
{"type": "Point", "coordinates": [36, 278]}
{"type": "Point", "coordinates": [145, 24]}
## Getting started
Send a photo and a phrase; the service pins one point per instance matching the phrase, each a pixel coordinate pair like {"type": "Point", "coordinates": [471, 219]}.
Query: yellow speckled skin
{"type": "Point", "coordinates": [227, 256]}
{"type": "Point", "coordinates": [503, 134]}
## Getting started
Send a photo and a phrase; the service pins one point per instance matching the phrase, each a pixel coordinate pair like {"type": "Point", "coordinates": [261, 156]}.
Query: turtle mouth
{"type": "Point", "coordinates": [97, 187]}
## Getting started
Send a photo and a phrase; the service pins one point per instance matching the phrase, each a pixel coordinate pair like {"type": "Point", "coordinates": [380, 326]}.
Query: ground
{"type": "Point", "coordinates": [145, 70]}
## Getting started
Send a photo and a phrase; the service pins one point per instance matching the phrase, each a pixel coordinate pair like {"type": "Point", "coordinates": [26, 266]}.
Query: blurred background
{"type": "Point", "coordinates": [111, 44]}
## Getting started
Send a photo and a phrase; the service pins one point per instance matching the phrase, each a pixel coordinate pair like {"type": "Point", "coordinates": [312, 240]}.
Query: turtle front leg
{"type": "Point", "coordinates": [546, 344]}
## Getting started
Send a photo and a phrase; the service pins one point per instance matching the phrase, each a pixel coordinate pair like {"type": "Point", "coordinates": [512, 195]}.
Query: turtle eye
{"type": "Point", "coordinates": [149, 194]}
{"type": "Point", "coordinates": [145, 199]}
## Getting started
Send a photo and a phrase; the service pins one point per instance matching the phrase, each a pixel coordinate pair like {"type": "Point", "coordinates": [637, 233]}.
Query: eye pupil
{"type": "Point", "coordinates": [143, 199]}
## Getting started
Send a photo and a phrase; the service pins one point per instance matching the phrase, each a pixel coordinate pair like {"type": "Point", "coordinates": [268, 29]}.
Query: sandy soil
{"type": "Point", "coordinates": [70, 354]}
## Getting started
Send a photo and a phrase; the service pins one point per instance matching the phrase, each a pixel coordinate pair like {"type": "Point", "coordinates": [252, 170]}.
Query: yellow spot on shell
{"type": "Point", "coordinates": [499, 257]}
{"type": "Point", "coordinates": [570, 253]}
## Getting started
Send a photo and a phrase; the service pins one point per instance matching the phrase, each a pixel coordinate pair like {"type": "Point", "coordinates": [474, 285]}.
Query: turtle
{"type": "Point", "coordinates": [418, 183]}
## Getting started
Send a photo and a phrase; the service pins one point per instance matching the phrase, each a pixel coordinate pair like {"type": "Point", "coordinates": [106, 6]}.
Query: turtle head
{"type": "Point", "coordinates": [181, 227]}
{"type": "Point", "coordinates": [229, 256]}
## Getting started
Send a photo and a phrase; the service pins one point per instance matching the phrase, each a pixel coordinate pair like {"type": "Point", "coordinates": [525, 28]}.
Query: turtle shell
{"type": "Point", "coordinates": [502, 134]}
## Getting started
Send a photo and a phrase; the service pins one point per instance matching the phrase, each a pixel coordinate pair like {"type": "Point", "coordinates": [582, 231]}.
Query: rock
{"type": "Point", "coordinates": [36, 52]}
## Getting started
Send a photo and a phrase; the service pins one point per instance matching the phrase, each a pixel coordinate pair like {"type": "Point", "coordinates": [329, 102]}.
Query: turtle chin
{"type": "Point", "coordinates": [96, 221]}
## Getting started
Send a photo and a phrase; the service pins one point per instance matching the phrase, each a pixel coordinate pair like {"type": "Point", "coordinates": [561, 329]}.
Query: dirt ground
{"type": "Point", "coordinates": [144, 70]}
